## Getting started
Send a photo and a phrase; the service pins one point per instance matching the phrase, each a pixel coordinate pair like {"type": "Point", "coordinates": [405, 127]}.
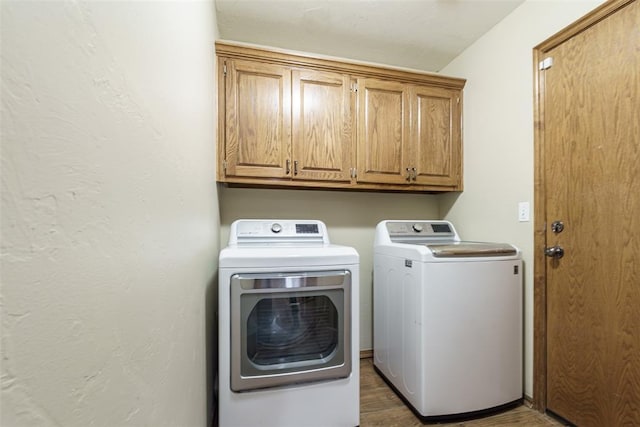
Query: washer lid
{"type": "Point", "coordinates": [470, 249]}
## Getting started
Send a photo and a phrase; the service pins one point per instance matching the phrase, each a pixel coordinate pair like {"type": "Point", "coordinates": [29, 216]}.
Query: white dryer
{"type": "Point", "coordinates": [447, 319]}
{"type": "Point", "coordinates": [288, 327]}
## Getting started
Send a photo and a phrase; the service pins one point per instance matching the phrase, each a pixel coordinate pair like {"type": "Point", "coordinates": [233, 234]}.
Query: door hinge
{"type": "Point", "coordinates": [354, 87]}
{"type": "Point", "coordinates": [224, 69]}
{"type": "Point", "coordinates": [458, 100]}
{"type": "Point", "coordinates": [353, 172]}
{"type": "Point", "coordinates": [224, 165]}
{"type": "Point", "coordinates": [546, 63]}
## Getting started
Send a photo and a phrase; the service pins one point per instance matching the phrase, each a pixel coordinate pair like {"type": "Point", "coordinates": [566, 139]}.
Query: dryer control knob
{"type": "Point", "coordinates": [276, 228]}
{"type": "Point", "coordinates": [417, 228]}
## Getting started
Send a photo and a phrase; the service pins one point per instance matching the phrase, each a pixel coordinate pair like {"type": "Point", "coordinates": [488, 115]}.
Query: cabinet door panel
{"type": "Point", "coordinates": [321, 126]}
{"type": "Point", "coordinates": [258, 121]}
{"type": "Point", "coordinates": [383, 131]}
{"type": "Point", "coordinates": [436, 136]}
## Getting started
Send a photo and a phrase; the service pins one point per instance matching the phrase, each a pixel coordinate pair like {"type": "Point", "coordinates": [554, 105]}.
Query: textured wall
{"type": "Point", "coordinates": [498, 132]}
{"type": "Point", "coordinates": [109, 212]}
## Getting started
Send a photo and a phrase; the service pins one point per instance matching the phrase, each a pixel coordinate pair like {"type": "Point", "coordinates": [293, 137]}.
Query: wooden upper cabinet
{"type": "Point", "coordinates": [408, 134]}
{"type": "Point", "coordinates": [284, 123]}
{"type": "Point", "coordinates": [436, 137]}
{"type": "Point", "coordinates": [321, 114]}
{"type": "Point", "coordinates": [258, 119]}
{"type": "Point", "coordinates": [299, 120]}
{"type": "Point", "coordinates": [383, 131]}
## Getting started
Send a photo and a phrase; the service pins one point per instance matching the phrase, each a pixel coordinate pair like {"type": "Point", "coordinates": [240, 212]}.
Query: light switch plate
{"type": "Point", "coordinates": [523, 212]}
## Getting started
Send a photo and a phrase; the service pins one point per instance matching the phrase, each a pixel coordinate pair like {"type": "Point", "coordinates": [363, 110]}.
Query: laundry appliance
{"type": "Point", "coordinates": [447, 319]}
{"type": "Point", "coordinates": [288, 327]}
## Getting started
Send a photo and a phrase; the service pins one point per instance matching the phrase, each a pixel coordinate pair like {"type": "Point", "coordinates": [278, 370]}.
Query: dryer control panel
{"type": "Point", "coordinates": [278, 232]}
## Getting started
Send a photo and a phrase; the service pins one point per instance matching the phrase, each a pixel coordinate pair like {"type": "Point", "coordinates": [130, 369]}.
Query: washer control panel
{"type": "Point", "coordinates": [428, 229]}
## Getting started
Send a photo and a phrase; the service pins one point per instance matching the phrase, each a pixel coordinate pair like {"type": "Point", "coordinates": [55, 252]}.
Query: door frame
{"type": "Point", "coordinates": [539, 259]}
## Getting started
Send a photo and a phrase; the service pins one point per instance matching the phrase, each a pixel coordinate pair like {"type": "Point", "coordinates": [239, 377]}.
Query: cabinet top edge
{"type": "Point", "coordinates": [361, 68]}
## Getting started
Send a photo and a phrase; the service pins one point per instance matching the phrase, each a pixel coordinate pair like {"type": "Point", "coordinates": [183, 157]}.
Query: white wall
{"type": "Point", "coordinates": [351, 218]}
{"type": "Point", "coordinates": [498, 134]}
{"type": "Point", "coordinates": [110, 227]}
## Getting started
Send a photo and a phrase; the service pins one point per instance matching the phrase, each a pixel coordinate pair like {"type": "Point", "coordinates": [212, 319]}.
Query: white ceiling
{"type": "Point", "coordinates": [420, 34]}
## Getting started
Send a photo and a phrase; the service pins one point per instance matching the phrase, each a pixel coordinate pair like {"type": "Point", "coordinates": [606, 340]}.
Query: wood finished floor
{"type": "Point", "coordinates": [380, 406]}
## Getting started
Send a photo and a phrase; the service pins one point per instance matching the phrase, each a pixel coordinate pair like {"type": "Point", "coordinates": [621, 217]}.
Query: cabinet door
{"type": "Point", "coordinates": [321, 126]}
{"type": "Point", "coordinates": [436, 140]}
{"type": "Point", "coordinates": [258, 119]}
{"type": "Point", "coordinates": [383, 131]}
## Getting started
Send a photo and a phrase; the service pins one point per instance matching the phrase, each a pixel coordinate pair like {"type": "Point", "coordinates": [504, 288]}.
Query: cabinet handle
{"type": "Point", "coordinates": [295, 167]}
{"type": "Point", "coordinates": [408, 174]}
{"type": "Point", "coordinates": [288, 167]}
{"type": "Point", "coordinates": [415, 173]}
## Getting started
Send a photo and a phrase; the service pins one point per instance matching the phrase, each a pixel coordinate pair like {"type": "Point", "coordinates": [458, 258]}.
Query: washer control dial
{"type": "Point", "coordinates": [276, 228]}
{"type": "Point", "coordinates": [417, 228]}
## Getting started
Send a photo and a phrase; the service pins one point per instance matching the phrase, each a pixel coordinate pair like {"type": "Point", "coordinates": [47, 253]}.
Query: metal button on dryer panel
{"type": "Point", "coordinates": [417, 228]}
{"type": "Point", "coordinates": [276, 228]}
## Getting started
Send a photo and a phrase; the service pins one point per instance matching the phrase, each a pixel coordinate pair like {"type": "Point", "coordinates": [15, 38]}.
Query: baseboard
{"type": "Point", "coordinates": [366, 354]}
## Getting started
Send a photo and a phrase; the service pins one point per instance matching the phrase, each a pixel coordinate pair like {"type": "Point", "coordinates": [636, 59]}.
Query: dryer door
{"type": "Point", "coordinates": [289, 328]}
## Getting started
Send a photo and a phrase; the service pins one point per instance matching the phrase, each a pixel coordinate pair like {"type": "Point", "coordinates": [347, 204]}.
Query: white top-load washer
{"type": "Point", "coordinates": [288, 327]}
{"type": "Point", "coordinates": [447, 319]}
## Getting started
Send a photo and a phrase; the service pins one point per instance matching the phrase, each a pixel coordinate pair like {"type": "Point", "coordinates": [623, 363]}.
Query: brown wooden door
{"type": "Point", "coordinates": [258, 119]}
{"type": "Point", "coordinates": [383, 131]}
{"type": "Point", "coordinates": [591, 157]}
{"type": "Point", "coordinates": [322, 141]}
{"type": "Point", "coordinates": [436, 144]}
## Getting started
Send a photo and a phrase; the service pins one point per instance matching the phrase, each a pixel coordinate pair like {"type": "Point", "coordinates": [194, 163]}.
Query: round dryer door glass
{"type": "Point", "coordinates": [291, 329]}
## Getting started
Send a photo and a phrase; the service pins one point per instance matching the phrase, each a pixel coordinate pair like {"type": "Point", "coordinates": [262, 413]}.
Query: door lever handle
{"type": "Point", "coordinates": [554, 252]}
